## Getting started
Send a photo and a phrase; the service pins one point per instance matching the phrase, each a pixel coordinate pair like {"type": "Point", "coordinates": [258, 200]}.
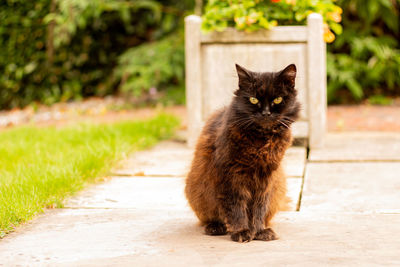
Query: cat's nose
{"type": "Point", "coordinates": [266, 112]}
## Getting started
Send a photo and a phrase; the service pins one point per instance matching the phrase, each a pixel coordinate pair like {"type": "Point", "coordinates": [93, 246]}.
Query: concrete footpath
{"type": "Point", "coordinates": [345, 212]}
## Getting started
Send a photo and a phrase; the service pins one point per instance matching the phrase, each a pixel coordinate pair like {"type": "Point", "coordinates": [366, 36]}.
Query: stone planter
{"type": "Point", "coordinates": [211, 77]}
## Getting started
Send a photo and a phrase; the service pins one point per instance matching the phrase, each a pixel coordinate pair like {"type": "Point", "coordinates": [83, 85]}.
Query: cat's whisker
{"type": "Point", "coordinates": [287, 122]}
{"type": "Point", "coordinates": [241, 121]}
{"type": "Point", "coordinates": [248, 125]}
{"type": "Point", "coordinates": [284, 124]}
{"type": "Point", "coordinates": [288, 119]}
{"type": "Point", "coordinates": [244, 124]}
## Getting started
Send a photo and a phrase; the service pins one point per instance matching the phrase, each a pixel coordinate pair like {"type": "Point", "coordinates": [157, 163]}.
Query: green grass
{"type": "Point", "coordinates": [40, 167]}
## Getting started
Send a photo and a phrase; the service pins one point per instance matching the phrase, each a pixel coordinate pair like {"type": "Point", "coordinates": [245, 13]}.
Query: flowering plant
{"type": "Point", "coordinates": [251, 15]}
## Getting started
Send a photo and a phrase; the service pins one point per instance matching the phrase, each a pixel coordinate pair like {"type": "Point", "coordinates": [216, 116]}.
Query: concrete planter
{"type": "Point", "coordinates": [211, 77]}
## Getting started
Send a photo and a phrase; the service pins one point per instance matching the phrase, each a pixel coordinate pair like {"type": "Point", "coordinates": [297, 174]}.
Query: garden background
{"type": "Point", "coordinates": [54, 50]}
{"type": "Point", "coordinates": [133, 50]}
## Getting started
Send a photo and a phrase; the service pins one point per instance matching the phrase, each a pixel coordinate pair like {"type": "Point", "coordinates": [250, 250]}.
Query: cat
{"type": "Point", "coordinates": [236, 183]}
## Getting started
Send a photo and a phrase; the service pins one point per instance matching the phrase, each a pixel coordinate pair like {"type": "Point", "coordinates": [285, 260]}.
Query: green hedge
{"type": "Point", "coordinates": [75, 51]}
{"type": "Point", "coordinates": [22, 50]}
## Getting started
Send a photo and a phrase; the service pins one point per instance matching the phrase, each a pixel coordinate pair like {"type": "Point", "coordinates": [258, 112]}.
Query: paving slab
{"type": "Point", "coordinates": [171, 158]}
{"type": "Point", "coordinates": [359, 146]}
{"type": "Point", "coordinates": [352, 187]}
{"type": "Point", "coordinates": [167, 158]}
{"type": "Point", "coordinates": [294, 185]}
{"type": "Point", "coordinates": [153, 237]}
{"type": "Point", "coordinates": [148, 192]}
{"type": "Point", "coordinates": [294, 161]}
{"type": "Point", "coordinates": [133, 192]}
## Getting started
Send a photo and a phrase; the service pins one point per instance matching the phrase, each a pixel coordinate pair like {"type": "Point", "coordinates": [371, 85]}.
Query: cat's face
{"type": "Point", "coordinates": [266, 99]}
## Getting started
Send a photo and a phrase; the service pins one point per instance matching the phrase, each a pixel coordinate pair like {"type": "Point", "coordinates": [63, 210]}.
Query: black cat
{"type": "Point", "coordinates": [236, 183]}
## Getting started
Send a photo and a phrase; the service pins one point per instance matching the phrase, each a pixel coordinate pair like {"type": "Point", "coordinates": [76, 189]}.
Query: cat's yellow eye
{"type": "Point", "coordinates": [253, 100]}
{"type": "Point", "coordinates": [278, 100]}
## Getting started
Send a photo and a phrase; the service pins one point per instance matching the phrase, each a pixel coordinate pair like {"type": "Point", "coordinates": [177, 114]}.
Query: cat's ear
{"type": "Point", "coordinates": [243, 74]}
{"type": "Point", "coordinates": [244, 77]}
{"type": "Point", "coordinates": [288, 75]}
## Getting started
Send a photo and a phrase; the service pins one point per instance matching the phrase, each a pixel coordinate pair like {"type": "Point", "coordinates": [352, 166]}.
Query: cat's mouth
{"type": "Point", "coordinates": [273, 124]}
{"type": "Point", "coordinates": [268, 124]}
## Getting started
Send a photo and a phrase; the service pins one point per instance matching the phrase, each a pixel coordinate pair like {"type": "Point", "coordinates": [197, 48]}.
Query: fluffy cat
{"type": "Point", "coordinates": [236, 183]}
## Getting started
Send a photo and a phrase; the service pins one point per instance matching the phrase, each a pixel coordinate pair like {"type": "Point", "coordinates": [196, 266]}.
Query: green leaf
{"type": "Point", "coordinates": [355, 88]}
{"type": "Point", "coordinates": [337, 28]}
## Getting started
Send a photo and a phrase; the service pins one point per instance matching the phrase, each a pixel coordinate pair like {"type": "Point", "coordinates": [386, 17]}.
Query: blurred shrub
{"type": "Point", "coordinates": [155, 65]}
{"type": "Point", "coordinates": [22, 50]}
{"type": "Point", "coordinates": [52, 50]}
{"type": "Point", "coordinates": [365, 60]}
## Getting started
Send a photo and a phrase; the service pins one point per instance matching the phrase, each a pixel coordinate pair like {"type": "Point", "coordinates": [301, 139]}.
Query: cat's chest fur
{"type": "Point", "coordinates": [264, 152]}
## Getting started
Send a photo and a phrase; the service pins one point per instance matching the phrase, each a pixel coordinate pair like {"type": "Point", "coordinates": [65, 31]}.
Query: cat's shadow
{"type": "Point", "coordinates": [183, 237]}
{"type": "Point", "coordinates": [188, 238]}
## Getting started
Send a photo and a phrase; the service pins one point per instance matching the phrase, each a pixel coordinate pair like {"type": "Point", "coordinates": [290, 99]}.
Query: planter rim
{"type": "Point", "coordinates": [279, 34]}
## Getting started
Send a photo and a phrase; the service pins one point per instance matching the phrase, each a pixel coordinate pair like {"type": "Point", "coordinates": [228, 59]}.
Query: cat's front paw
{"type": "Point", "coordinates": [242, 236]}
{"type": "Point", "coordinates": [215, 228]}
{"type": "Point", "coordinates": [266, 235]}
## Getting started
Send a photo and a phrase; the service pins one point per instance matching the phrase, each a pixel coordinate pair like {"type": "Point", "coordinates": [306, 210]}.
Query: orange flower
{"type": "Point", "coordinates": [329, 37]}
{"type": "Point", "coordinates": [275, 1]}
{"type": "Point", "coordinates": [335, 16]}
